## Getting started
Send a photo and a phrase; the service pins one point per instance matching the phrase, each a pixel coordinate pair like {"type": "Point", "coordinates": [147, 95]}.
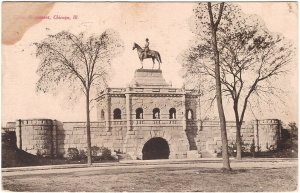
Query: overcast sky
{"type": "Point", "coordinates": [165, 24]}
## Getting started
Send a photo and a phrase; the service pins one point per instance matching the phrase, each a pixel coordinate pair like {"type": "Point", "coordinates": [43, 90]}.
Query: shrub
{"type": "Point", "coordinates": [105, 153]}
{"type": "Point", "coordinates": [232, 149]}
{"type": "Point", "coordinates": [72, 154]}
{"type": "Point", "coordinates": [118, 151]}
{"type": "Point", "coordinates": [82, 155]}
{"type": "Point", "coordinates": [98, 153]}
{"type": "Point", "coordinates": [95, 151]}
{"type": "Point", "coordinates": [9, 139]}
{"type": "Point", "coordinates": [101, 153]}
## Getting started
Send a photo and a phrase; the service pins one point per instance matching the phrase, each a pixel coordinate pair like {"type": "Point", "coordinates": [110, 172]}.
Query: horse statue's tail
{"type": "Point", "coordinates": [159, 57]}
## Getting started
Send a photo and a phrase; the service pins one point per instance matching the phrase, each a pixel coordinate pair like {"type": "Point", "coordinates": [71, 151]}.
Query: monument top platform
{"type": "Point", "coordinates": [148, 70]}
{"type": "Point", "coordinates": [148, 78]}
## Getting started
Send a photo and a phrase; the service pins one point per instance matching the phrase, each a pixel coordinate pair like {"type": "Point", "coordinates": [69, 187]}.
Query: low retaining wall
{"type": "Point", "coordinates": [73, 135]}
{"type": "Point", "coordinates": [53, 138]}
{"type": "Point", "coordinates": [209, 140]}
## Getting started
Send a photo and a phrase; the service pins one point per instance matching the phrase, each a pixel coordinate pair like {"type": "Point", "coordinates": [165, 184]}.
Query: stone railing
{"type": "Point", "coordinates": [118, 122]}
{"type": "Point", "coordinates": [156, 122]}
{"type": "Point", "coordinates": [83, 124]}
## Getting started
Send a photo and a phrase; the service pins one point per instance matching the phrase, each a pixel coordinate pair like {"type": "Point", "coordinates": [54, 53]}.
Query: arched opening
{"type": "Point", "coordinates": [102, 115]}
{"type": "Point", "coordinates": [189, 114]}
{"type": "Point", "coordinates": [172, 113]}
{"type": "Point", "coordinates": [117, 114]}
{"type": "Point", "coordinates": [156, 148]}
{"type": "Point", "coordinates": [139, 113]}
{"type": "Point", "coordinates": [156, 113]}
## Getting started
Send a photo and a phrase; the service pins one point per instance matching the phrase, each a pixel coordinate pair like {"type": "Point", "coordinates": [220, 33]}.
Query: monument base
{"type": "Point", "coordinates": [148, 78]}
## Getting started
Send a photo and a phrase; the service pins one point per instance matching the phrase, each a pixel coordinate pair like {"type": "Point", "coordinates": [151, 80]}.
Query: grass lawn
{"type": "Point", "coordinates": [162, 179]}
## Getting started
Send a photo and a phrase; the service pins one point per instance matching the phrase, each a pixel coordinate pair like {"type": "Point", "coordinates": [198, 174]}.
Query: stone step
{"type": "Point", "coordinates": [206, 154]}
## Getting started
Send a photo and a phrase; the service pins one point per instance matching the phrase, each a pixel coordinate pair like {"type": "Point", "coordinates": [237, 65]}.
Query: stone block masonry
{"type": "Point", "coordinates": [52, 138]}
{"type": "Point", "coordinates": [35, 136]}
{"type": "Point", "coordinates": [148, 111]}
{"type": "Point", "coordinates": [73, 135]}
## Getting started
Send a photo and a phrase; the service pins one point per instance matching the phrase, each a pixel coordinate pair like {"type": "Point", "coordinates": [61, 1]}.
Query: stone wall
{"type": "Point", "coordinates": [35, 136]}
{"type": "Point", "coordinates": [73, 135]}
{"type": "Point", "coordinates": [208, 137]}
{"type": "Point", "coordinates": [266, 134]}
{"type": "Point", "coordinates": [171, 132]}
{"type": "Point", "coordinates": [53, 138]}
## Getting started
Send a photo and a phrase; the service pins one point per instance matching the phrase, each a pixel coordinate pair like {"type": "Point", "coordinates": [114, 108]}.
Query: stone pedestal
{"type": "Point", "coordinates": [148, 78]}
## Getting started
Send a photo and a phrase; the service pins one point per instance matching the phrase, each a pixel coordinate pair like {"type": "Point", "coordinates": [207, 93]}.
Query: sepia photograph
{"type": "Point", "coordinates": [149, 96]}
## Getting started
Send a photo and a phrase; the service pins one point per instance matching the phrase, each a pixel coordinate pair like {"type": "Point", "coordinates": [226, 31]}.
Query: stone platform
{"type": "Point", "coordinates": [149, 78]}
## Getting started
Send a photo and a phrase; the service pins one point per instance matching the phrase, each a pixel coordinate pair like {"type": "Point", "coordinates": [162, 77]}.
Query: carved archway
{"type": "Point", "coordinates": [156, 148]}
{"type": "Point", "coordinates": [158, 134]}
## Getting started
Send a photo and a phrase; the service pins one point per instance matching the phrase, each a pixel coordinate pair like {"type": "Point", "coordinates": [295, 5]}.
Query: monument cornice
{"type": "Point", "coordinates": [153, 94]}
{"type": "Point", "coordinates": [123, 93]}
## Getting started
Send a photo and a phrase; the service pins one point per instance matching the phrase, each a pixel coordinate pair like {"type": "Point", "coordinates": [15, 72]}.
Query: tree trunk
{"type": "Point", "coordinates": [88, 129]}
{"type": "Point", "coordinates": [238, 142]}
{"type": "Point", "coordinates": [238, 139]}
{"type": "Point", "coordinates": [226, 164]}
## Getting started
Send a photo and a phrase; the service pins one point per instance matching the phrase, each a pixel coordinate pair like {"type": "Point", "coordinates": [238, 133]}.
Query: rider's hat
{"type": "Point", "coordinates": [147, 39]}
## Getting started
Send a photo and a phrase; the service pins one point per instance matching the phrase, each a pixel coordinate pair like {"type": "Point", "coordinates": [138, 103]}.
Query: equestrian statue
{"type": "Point", "coordinates": [147, 53]}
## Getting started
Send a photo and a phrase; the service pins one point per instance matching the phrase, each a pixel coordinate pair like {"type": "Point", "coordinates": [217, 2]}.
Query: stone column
{"type": "Point", "coordinates": [128, 110]}
{"type": "Point", "coordinates": [107, 114]}
{"type": "Point", "coordinates": [19, 133]}
{"type": "Point", "coordinates": [199, 123]}
{"type": "Point", "coordinates": [184, 112]}
{"type": "Point", "coordinates": [256, 134]}
{"type": "Point", "coordinates": [280, 130]}
{"type": "Point", "coordinates": [54, 139]}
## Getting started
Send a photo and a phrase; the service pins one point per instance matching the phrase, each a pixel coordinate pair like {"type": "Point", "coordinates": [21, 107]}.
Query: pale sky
{"type": "Point", "coordinates": [165, 24]}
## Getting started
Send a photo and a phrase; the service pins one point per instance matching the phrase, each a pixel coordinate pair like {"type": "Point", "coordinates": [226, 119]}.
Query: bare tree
{"type": "Point", "coordinates": [77, 62]}
{"type": "Point", "coordinates": [251, 58]}
{"type": "Point", "coordinates": [263, 57]}
{"type": "Point", "coordinates": [208, 18]}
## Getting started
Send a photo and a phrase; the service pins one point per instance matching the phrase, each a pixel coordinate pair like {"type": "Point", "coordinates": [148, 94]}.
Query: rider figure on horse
{"type": "Point", "coordinates": [146, 48]}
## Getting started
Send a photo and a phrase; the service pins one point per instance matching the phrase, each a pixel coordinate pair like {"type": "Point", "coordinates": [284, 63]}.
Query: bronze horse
{"type": "Point", "coordinates": [150, 54]}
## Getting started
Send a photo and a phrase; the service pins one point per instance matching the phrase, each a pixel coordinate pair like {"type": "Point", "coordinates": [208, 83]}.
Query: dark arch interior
{"type": "Point", "coordinates": [139, 113]}
{"type": "Point", "coordinates": [156, 113]}
{"type": "Point", "coordinates": [172, 113]}
{"type": "Point", "coordinates": [156, 148]}
{"type": "Point", "coordinates": [117, 114]}
{"type": "Point", "coordinates": [102, 115]}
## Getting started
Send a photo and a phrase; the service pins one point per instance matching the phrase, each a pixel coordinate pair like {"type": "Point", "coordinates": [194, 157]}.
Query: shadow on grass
{"type": "Point", "coordinates": [222, 171]}
{"type": "Point", "coordinates": [232, 171]}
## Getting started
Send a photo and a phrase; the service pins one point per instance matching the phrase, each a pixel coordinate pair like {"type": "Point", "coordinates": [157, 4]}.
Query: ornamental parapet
{"type": "Point", "coordinates": [267, 122]}
{"type": "Point", "coordinates": [148, 91]}
{"type": "Point", "coordinates": [83, 124]}
{"type": "Point", "coordinates": [35, 122]}
{"type": "Point", "coordinates": [156, 122]}
{"type": "Point", "coordinates": [215, 123]}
